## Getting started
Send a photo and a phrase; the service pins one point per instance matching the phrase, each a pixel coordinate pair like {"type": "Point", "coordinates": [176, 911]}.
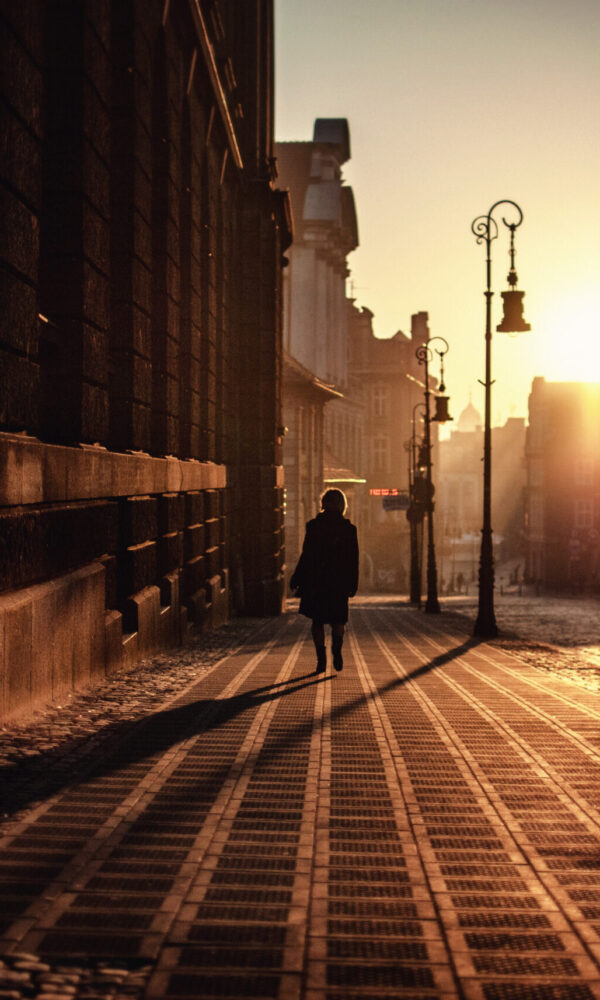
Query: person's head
{"type": "Point", "coordinates": [333, 500]}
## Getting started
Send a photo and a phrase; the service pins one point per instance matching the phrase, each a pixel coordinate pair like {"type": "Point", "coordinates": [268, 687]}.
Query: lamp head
{"type": "Point", "coordinates": [441, 414]}
{"type": "Point", "coordinates": [512, 319]}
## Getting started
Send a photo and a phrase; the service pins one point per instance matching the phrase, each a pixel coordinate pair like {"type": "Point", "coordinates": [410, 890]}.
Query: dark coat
{"type": "Point", "coordinates": [327, 571]}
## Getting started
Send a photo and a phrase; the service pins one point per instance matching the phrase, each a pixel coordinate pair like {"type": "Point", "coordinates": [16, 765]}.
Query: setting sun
{"type": "Point", "coordinates": [569, 330]}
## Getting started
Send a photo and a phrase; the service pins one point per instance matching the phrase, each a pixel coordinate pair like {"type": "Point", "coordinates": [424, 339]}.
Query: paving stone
{"type": "Point", "coordinates": [223, 822]}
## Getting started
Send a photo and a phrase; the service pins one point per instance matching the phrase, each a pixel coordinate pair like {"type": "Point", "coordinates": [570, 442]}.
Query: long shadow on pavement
{"type": "Point", "coordinates": [136, 740]}
{"type": "Point", "coordinates": [164, 729]}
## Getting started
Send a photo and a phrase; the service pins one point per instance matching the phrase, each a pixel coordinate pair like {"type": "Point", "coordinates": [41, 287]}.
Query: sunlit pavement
{"type": "Point", "coordinates": [424, 824]}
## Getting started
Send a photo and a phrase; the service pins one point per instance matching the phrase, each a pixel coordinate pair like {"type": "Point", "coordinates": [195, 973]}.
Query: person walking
{"type": "Point", "coordinates": [327, 575]}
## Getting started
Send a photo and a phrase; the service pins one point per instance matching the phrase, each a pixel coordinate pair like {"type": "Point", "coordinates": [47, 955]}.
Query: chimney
{"type": "Point", "coordinates": [419, 327]}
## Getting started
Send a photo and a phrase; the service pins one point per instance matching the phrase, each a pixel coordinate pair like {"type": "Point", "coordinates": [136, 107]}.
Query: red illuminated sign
{"type": "Point", "coordinates": [384, 492]}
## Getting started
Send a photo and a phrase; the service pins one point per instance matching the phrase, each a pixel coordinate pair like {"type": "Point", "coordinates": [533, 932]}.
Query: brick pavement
{"type": "Point", "coordinates": [424, 824]}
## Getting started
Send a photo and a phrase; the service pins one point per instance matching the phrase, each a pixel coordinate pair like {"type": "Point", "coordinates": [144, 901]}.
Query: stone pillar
{"type": "Point", "coordinates": [74, 291]}
{"type": "Point", "coordinates": [130, 245]}
{"type": "Point", "coordinates": [260, 469]}
{"type": "Point", "coordinates": [20, 204]}
{"type": "Point", "coordinates": [165, 295]}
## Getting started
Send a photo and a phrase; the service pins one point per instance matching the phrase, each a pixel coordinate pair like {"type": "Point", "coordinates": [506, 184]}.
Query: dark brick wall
{"type": "Point", "coordinates": [130, 249]}
{"type": "Point", "coordinates": [38, 543]}
{"type": "Point", "coordinates": [74, 256]}
{"type": "Point", "coordinates": [154, 259]}
{"type": "Point", "coordinates": [20, 203]}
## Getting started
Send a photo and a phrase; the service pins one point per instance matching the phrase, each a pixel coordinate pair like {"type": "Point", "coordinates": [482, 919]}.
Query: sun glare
{"type": "Point", "coordinates": [569, 338]}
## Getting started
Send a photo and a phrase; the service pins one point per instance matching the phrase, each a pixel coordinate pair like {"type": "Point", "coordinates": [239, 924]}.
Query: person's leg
{"type": "Point", "coordinates": [337, 639]}
{"type": "Point", "coordinates": [318, 634]}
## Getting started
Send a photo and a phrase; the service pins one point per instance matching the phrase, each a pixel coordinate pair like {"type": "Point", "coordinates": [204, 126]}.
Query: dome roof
{"type": "Point", "coordinates": [470, 418]}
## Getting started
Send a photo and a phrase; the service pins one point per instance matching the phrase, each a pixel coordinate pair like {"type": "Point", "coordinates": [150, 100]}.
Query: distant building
{"type": "Point", "coordinates": [460, 506]}
{"type": "Point", "coordinates": [391, 383]}
{"type": "Point", "coordinates": [348, 395]}
{"type": "Point", "coordinates": [323, 420]}
{"type": "Point", "coordinates": [469, 420]}
{"type": "Point", "coordinates": [304, 405]}
{"type": "Point", "coordinates": [461, 485]}
{"type": "Point", "coordinates": [563, 485]}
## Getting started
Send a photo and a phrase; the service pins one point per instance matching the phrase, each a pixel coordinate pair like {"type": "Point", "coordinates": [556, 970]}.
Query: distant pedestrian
{"type": "Point", "coordinates": [327, 575]}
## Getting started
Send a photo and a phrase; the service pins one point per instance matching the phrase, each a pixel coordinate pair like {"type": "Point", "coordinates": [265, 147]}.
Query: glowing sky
{"type": "Point", "coordinates": [453, 105]}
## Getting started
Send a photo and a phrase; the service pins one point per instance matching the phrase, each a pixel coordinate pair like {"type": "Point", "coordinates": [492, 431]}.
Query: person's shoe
{"type": "Point", "coordinates": [321, 660]}
{"type": "Point", "coordinates": [338, 660]}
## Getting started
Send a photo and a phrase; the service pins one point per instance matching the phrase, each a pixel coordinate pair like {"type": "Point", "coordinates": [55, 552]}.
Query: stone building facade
{"type": "Point", "coordinates": [562, 455]}
{"type": "Point", "coordinates": [461, 496]}
{"type": "Point", "coordinates": [141, 261]}
{"type": "Point", "coordinates": [303, 456]}
{"type": "Point", "coordinates": [316, 322]}
{"type": "Point", "coordinates": [355, 433]}
{"type": "Point", "coordinates": [392, 385]}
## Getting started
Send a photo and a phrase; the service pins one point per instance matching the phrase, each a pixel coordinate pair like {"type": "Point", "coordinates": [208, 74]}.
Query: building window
{"type": "Point", "coordinates": [381, 454]}
{"type": "Point", "coordinates": [304, 429]}
{"type": "Point", "coordinates": [584, 513]}
{"type": "Point", "coordinates": [380, 400]}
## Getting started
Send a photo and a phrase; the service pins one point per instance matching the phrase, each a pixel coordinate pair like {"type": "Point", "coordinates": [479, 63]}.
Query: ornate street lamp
{"type": "Point", "coordinates": [485, 229]}
{"type": "Point", "coordinates": [424, 356]}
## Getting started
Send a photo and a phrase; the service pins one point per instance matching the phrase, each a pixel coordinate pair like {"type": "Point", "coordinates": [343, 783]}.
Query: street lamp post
{"type": "Point", "coordinates": [485, 229]}
{"type": "Point", "coordinates": [416, 510]}
{"type": "Point", "coordinates": [424, 355]}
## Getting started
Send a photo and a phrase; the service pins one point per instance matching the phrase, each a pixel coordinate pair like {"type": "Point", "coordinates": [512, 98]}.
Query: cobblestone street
{"type": "Point", "coordinates": [222, 822]}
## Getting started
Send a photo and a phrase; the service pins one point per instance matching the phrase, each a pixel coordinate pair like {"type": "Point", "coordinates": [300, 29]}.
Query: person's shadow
{"type": "Point", "coordinates": [124, 743]}
{"type": "Point", "coordinates": [121, 743]}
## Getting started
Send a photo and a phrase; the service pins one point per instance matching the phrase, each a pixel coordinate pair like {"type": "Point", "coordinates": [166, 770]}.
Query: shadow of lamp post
{"type": "Point", "coordinates": [424, 355]}
{"type": "Point", "coordinates": [485, 229]}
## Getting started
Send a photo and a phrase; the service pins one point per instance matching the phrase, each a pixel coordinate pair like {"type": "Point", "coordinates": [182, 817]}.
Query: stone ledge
{"type": "Point", "coordinates": [32, 472]}
{"type": "Point", "coordinates": [263, 476]}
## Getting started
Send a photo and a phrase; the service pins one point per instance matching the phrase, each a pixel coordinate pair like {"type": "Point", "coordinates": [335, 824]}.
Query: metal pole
{"type": "Point", "coordinates": [415, 590]}
{"type": "Point", "coordinates": [485, 625]}
{"type": "Point", "coordinates": [486, 230]}
{"type": "Point", "coordinates": [415, 570]}
{"type": "Point", "coordinates": [432, 605]}
{"type": "Point", "coordinates": [415, 575]}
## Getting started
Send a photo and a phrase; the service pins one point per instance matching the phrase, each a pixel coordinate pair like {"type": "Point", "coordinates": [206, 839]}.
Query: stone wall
{"type": "Point", "coordinates": [140, 340]}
